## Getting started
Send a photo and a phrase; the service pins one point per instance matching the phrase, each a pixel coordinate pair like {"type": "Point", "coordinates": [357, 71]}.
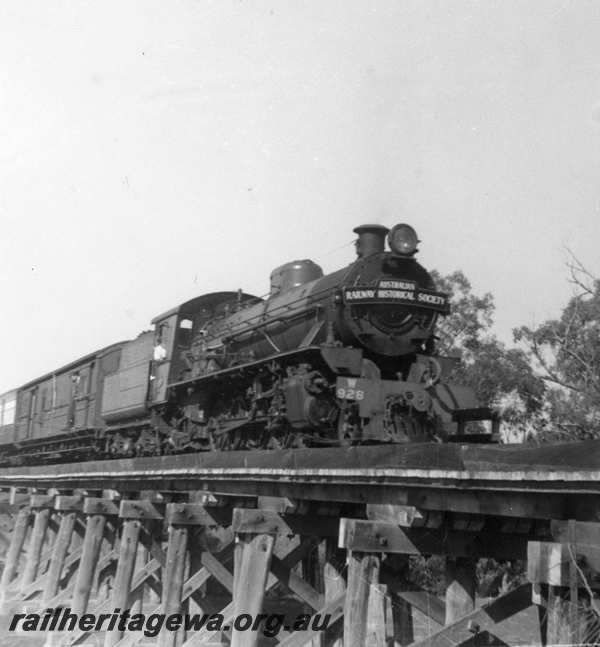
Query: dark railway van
{"type": "Point", "coordinates": [66, 400]}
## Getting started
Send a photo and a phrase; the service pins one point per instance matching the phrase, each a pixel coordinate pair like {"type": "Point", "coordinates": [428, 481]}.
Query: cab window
{"type": "Point", "coordinates": [184, 332]}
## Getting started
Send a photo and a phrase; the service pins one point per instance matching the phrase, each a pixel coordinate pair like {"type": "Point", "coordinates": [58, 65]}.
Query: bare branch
{"type": "Point", "coordinates": [551, 375]}
{"type": "Point", "coordinates": [577, 271]}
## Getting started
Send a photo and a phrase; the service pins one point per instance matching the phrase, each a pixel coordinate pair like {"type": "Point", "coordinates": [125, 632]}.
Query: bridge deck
{"type": "Point", "coordinates": [551, 481]}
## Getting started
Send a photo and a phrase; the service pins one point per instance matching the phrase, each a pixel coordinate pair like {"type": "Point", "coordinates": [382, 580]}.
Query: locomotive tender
{"type": "Point", "coordinates": [341, 359]}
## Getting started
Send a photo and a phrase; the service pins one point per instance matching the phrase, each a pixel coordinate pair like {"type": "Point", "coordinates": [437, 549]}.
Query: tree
{"type": "Point", "coordinates": [501, 377]}
{"type": "Point", "coordinates": [567, 353]}
{"type": "Point", "coordinates": [470, 315]}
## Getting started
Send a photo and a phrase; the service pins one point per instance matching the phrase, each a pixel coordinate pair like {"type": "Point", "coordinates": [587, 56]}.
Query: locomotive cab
{"type": "Point", "coordinates": [183, 335]}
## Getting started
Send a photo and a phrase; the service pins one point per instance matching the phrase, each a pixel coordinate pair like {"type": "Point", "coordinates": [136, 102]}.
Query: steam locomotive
{"type": "Point", "coordinates": [324, 360]}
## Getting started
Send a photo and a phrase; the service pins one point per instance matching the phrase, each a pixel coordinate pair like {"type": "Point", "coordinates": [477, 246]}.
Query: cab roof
{"type": "Point", "coordinates": [209, 300]}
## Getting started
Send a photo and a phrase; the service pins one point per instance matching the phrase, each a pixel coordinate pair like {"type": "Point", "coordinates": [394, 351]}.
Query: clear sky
{"type": "Point", "coordinates": [151, 151]}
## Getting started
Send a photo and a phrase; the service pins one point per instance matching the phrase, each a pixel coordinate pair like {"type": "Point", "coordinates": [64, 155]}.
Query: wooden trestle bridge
{"type": "Point", "coordinates": [320, 531]}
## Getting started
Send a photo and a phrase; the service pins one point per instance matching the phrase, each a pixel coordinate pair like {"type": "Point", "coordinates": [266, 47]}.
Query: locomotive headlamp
{"type": "Point", "coordinates": [403, 240]}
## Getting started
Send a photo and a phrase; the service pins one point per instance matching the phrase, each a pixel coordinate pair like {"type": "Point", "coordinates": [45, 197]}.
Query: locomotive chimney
{"type": "Point", "coordinates": [371, 239]}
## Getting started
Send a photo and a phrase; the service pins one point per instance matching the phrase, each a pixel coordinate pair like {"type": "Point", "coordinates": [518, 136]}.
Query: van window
{"type": "Point", "coordinates": [8, 412]}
